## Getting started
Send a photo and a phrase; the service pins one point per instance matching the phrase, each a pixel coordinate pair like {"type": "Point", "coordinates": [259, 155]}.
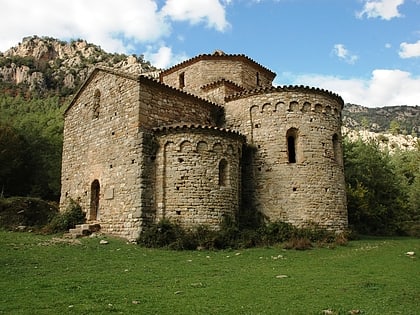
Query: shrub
{"type": "Point", "coordinates": [25, 211]}
{"type": "Point", "coordinates": [66, 220]}
{"type": "Point", "coordinates": [275, 232]}
{"type": "Point", "coordinates": [170, 235]}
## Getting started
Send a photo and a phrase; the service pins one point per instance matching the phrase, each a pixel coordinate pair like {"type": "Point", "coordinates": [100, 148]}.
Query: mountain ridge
{"type": "Point", "coordinates": [41, 66]}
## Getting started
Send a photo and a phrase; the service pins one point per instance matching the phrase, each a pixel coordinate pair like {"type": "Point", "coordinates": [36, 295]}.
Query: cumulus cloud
{"type": "Point", "coordinates": [385, 87]}
{"type": "Point", "coordinates": [341, 52]}
{"type": "Point", "coordinates": [117, 26]}
{"type": "Point", "coordinates": [210, 11]}
{"type": "Point", "coordinates": [409, 50]}
{"type": "Point", "coordinates": [163, 57]}
{"type": "Point", "coordinates": [384, 9]}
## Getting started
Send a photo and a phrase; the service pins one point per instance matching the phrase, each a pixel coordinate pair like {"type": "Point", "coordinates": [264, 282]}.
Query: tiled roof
{"type": "Point", "coordinates": [217, 55]}
{"type": "Point", "coordinates": [190, 126]}
{"type": "Point", "coordinates": [288, 88]}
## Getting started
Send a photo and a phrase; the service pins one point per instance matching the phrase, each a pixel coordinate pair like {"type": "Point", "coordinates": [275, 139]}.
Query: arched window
{"type": "Point", "coordinates": [291, 137]}
{"type": "Point", "coordinates": [96, 103]}
{"type": "Point", "coordinates": [223, 173]}
{"type": "Point", "coordinates": [94, 200]}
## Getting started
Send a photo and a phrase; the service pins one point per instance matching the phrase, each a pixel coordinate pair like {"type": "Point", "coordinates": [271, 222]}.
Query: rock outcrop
{"type": "Point", "coordinates": [45, 64]}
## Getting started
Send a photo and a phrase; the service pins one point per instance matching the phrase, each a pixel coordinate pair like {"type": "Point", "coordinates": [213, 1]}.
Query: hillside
{"type": "Point", "coordinates": [45, 66]}
{"type": "Point", "coordinates": [392, 127]}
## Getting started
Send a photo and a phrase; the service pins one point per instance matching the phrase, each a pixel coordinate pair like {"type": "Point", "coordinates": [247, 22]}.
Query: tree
{"type": "Point", "coordinates": [12, 159]}
{"type": "Point", "coordinates": [376, 204]}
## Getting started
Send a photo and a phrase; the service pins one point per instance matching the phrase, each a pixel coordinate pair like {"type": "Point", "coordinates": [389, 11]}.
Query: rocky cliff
{"type": "Point", "coordinates": [392, 127]}
{"type": "Point", "coordinates": [44, 64]}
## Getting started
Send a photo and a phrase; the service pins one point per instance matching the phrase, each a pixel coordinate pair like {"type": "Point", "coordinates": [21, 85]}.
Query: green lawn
{"type": "Point", "coordinates": [372, 276]}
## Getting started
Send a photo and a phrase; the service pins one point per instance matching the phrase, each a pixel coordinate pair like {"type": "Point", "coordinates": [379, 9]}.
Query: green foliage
{"type": "Point", "coordinates": [26, 212]}
{"type": "Point", "coordinates": [377, 200]}
{"type": "Point", "coordinates": [63, 221]}
{"type": "Point", "coordinates": [30, 145]}
{"type": "Point", "coordinates": [170, 235]}
{"type": "Point", "coordinates": [394, 127]}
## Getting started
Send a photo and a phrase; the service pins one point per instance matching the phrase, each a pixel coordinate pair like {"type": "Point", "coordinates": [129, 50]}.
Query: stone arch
{"type": "Point", "coordinates": [266, 107]}
{"type": "Point", "coordinates": [223, 173]}
{"type": "Point", "coordinates": [217, 147]}
{"type": "Point", "coordinates": [253, 110]}
{"type": "Point", "coordinates": [279, 105]}
{"type": "Point", "coordinates": [292, 139]}
{"type": "Point", "coordinates": [318, 108]}
{"type": "Point", "coordinates": [95, 189]}
{"type": "Point", "coordinates": [185, 146]}
{"type": "Point", "coordinates": [229, 150]}
{"type": "Point", "coordinates": [96, 103]}
{"type": "Point", "coordinates": [306, 107]}
{"type": "Point", "coordinates": [328, 109]}
{"type": "Point", "coordinates": [202, 146]}
{"type": "Point", "coordinates": [293, 106]}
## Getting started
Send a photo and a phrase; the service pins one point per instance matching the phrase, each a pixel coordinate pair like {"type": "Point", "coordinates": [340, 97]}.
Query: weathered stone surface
{"type": "Point", "coordinates": [137, 150]}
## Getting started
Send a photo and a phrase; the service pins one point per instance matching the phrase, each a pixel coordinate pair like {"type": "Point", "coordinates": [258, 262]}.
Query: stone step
{"type": "Point", "coordinates": [81, 230]}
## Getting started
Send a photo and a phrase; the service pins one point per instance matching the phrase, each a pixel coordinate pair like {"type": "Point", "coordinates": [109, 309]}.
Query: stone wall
{"type": "Point", "coordinates": [102, 146]}
{"type": "Point", "coordinates": [198, 175]}
{"type": "Point", "coordinates": [300, 186]}
{"type": "Point", "coordinates": [237, 70]}
{"type": "Point", "coordinates": [162, 105]}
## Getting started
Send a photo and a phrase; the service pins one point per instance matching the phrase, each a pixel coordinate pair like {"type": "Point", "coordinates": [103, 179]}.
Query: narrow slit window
{"type": "Point", "coordinates": [96, 104]}
{"type": "Point", "coordinates": [258, 79]}
{"type": "Point", "coordinates": [223, 173]}
{"type": "Point", "coordinates": [291, 137]}
{"type": "Point", "coordinates": [182, 80]}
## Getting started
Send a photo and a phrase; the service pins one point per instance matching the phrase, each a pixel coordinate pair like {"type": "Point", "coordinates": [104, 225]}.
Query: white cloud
{"type": "Point", "coordinates": [117, 26]}
{"type": "Point", "coordinates": [384, 87]}
{"type": "Point", "coordinates": [163, 57]}
{"type": "Point", "coordinates": [409, 50]}
{"type": "Point", "coordinates": [211, 11]}
{"type": "Point", "coordinates": [384, 9]}
{"type": "Point", "coordinates": [341, 52]}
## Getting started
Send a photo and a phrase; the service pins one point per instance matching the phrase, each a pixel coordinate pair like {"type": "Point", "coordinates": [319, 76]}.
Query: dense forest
{"type": "Point", "coordinates": [383, 189]}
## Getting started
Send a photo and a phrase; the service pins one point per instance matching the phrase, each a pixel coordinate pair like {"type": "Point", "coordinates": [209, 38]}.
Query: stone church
{"type": "Point", "coordinates": [208, 138]}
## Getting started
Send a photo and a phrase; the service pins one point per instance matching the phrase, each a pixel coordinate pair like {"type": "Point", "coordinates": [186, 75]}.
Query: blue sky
{"type": "Point", "coordinates": [368, 51]}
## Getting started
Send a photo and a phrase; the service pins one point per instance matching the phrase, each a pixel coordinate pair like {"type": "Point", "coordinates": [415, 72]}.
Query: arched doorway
{"type": "Point", "coordinates": [94, 200]}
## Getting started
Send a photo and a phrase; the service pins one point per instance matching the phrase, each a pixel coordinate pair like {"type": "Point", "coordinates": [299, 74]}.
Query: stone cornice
{"type": "Point", "coordinates": [289, 88]}
{"type": "Point", "coordinates": [186, 127]}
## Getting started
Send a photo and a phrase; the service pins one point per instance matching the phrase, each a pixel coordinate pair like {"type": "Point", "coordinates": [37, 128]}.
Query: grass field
{"type": "Point", "coordinates": [39, 275]}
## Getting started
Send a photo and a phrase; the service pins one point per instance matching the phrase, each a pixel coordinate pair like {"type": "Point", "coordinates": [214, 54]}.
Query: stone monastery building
{"type": "Point", "coordinates": [212, 137]}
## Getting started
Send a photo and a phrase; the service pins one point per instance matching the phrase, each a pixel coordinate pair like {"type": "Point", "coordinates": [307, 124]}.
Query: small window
{"type": "Point", "coordinates": [96, 104]}
{"type": "Point", "coordinates": [258, 79]}
{"type": "Point", "coordinates": [182, 80]}
{"type": "Point", "coordinates": [291, 137]}
{"type": "Point", "coordinates": [223, 173]}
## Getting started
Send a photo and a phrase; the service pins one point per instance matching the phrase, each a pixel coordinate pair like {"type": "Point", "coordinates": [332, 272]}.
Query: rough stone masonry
{"type": "Point", "coordinates": [212, 137]}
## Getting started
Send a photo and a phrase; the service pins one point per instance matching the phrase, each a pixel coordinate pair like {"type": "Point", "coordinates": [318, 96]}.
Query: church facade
{"type": "Point", "coordinates": [210, 138]}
